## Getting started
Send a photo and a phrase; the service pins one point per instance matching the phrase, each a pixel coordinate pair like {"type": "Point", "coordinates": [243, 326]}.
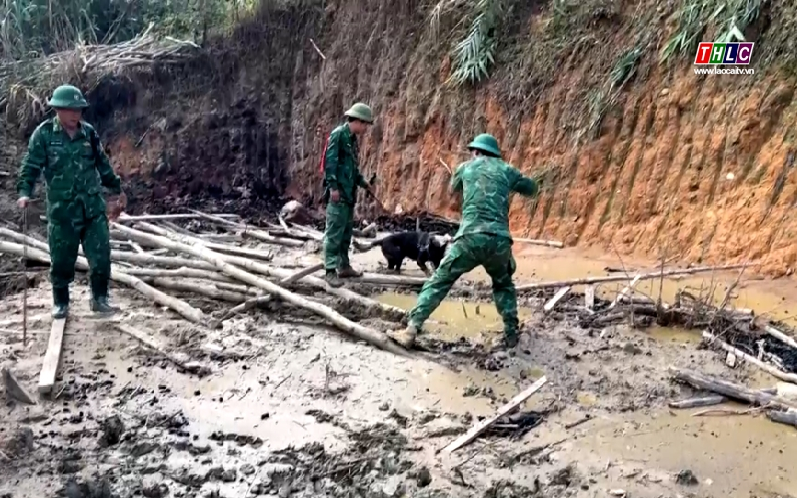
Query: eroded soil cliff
{"type": "Point", "coordinates": [637, 156]}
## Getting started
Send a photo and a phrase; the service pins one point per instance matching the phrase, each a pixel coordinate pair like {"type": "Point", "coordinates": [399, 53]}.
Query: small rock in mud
{"type": "Point", "coordinates": [99, 489]}
{"type": "Point", "coordinates": [423, 477]}
{"type": "Point", "coordinates": [70, 466]}
{"type": "Point", "coordinates": [143, 448]}
{"type": "Point", "coordinates": [112, 430]}
{"type": "Point", "coordinates": [320, 416]}
{"type": "Point", "coordinates": [566, 476]}
{"type": "Point", "coordinates": [466, 418]}
{"type": "Point", "coordinates": [159, 490]}
{"type": "Point", "coordinates": [222, 474]}
{"type": "Point", "coordinates": [20, 443]}
{"type": "Point", "coordinates": [686, 478]}
{"type": "Point", "coordinates": [247, 469]}
{"type": "Point", "coordinates": [187, 478]}
{"type": "Point", "coordinates": [384, 407]}
{"type": "Point", "coordinates": [471, 390]}
{"type": "Point", "coordinates": [400, 419]}
{"type": "Point", "coordinates": [631, 348]}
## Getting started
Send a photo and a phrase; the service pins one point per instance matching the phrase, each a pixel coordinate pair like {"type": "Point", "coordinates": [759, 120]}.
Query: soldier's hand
{"type": "Point", "coordinates": [122, 202]}
{"type": "Point", "coordinates": [334, 195]}
{"type": "Point", "coordinates": [22, 202]}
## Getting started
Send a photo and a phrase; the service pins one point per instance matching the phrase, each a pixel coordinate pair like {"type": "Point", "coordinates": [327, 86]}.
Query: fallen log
{"type": "Point", "coordinates": [712, 400]}
{"type": "Point", "coordinates": [789, 377]}
{"type": "Point", "coordinates": [555, 299]}
{"type": "Point", "coordinates": [213, 276]}
{"type": "Point", "coordinates": [617, 278]}
{"type": "Point", "coordinates": [281, 232]}
{"type": "Point", "coordinates": [301, 274]}
{"type": "Point", "coordinates": [187, 311]}
{"type": "Point", "coordinates": [177, 228]}
{"type": "Point", "coordinates": [117, 256]}
{"type": "Point", "coordinates": [247, 305]}
{"type": "Point", "coordinates": [205, 289]}
{"type": "Point", "coordinates": [538, 242]}
{"type": "Point", "coordinates": [729, 389]}
{"type": "Point", "coordinates": [628, 288]}
{"type": "Point", "coordinates": [788, 417]}
{"type": "Point", "coordinates": [369, 335]}
{"type": "Point", "coordinates": [368, 232]}
{"type": "Point", "coordinates": [482, 426]}
{"type": "Point", "coordinates": [777, 334]}
{"type": "Point", "coordinates": [160, 217]}
{"type": "Point", "coordinates": [252, 232]}
{"type": "Point", "coordinates": [152, 343]}
{"type": "Point", "coordinates": [222, 248]}
{"type": "Point", "coordinates": [386, 310]}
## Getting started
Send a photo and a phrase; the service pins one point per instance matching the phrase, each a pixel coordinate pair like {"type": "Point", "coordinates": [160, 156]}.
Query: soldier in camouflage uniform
{"type": "Point", "coordinates": [486, 183]}
{"type": "Point", "coordinates": [341, 179]}
{"type": "Point", "coordinates": [68, 152]}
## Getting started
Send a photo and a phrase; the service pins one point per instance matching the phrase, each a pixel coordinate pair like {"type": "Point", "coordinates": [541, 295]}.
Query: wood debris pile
{"type": "Point", "coordinates": [160, 260]}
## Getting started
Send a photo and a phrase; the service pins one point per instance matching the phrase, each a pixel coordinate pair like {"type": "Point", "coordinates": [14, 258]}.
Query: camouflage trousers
{"type": "Point", "coordinates": [337, 235]}
{"type": "Point", "coordinates": [64, 238]}
{"type": "Point", "coordinates": [494, 253]}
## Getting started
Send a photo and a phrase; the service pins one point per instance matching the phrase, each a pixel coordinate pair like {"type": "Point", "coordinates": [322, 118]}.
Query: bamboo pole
{"type": "Point", "coordinates": [252, 232]}
{"type": "Point", "coordinates": [386, 310]}
{"type": "Point", "coordinates": [187, 311]}
{"type": "Point", "coordinates": [621, 278]}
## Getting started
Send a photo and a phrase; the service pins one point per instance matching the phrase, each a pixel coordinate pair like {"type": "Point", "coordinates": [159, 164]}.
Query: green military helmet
{"type": "Point", "coordinates": [360, 111]}
{"type": "Point", "coordinates": [68, 97]}
{"type": "Point", "coordinates": [486, 143]}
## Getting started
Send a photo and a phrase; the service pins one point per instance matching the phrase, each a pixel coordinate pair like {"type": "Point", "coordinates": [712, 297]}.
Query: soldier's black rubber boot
{"type": "Point", "coordinates": [511, 340]}
{"type": "Point", "coordinates": [60, 303]}
{"type": "Point", "coordinates": [332, 279]}
{"type": "Point", "coordinates": [101, 305]}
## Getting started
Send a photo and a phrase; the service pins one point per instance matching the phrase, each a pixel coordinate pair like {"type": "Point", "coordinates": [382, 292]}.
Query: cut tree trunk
{"type": "Point", "coordinates": [788, 417]}
{"type": "Point", "coordinates": [301, 274]}
{"type": "Point", "coordinates": [729, 389]}
{"type": "Point", "coordinates": [152, 343]}
{"type": "Point", "coordinates": [369, 335]}
{"type": "Point", "coordinates": [187, 311]}
{"type": "Point", "coordinates": [247, 305]}
{"type": "Point", "coordinates": [616, 278]}
{"type": "Point", "coordinates": [213, 276]}
{"type": "Point", "coordinates": [387, 311]}
{"type": "Point", "coordinates": [714, 399]}
{"type": "Point", "coordinates": [159, 217]}
{"type": "Point", "coordinates": [205, 289]}
{"type": "Point", "coordinates": [538, 242]}
{"type": "Point", "coordinates": [251, 232]}
{"type": "Point", "coordinates": [222, 248]}
{"type": "Point", "coordinates": [777, 334]}
{"type": "Point", "coordinates": [788, 377]}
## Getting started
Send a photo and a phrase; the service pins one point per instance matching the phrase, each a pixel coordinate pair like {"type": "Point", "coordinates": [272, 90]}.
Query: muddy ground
{"type": "Point", "coordinates": [293, 408]}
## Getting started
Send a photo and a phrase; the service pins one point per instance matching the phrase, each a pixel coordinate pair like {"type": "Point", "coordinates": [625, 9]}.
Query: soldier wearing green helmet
{"type": "Point", "coordinates": [342, 177]}
{"type": "Point", "coordinates": [67, 151]}
{"type": "Point", "coordinates": [486, 183]}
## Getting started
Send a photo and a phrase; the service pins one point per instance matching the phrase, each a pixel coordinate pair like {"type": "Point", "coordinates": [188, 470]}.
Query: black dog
{"type": "Point", "coordinates": [421, 247]}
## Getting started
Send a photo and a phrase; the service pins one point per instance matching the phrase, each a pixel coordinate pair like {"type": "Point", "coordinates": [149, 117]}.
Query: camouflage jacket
{"type": "Point", "coordinates": [341, 165]}
{"type": "Point", "coordinates": [486, 184]}
{"type": "Point", "coordinates": [74, 170]}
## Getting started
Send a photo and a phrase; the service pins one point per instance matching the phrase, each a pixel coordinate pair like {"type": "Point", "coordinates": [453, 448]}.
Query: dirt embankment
{"type": "Point", "coordinates": [655, 159]}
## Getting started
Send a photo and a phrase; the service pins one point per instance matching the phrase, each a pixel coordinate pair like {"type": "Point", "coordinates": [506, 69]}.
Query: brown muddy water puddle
{"type": "Point", "coordinates": [731, 455]}
{"type": "Point", "coordinates": [775, 298]}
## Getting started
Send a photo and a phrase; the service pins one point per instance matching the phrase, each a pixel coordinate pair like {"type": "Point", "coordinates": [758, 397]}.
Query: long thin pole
{"type": "Point", "coordinates": [25, 279]}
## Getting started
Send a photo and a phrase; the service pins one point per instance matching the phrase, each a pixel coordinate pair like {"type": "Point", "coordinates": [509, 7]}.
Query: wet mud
{"type": "Point", "coordinates": [292, 408]}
